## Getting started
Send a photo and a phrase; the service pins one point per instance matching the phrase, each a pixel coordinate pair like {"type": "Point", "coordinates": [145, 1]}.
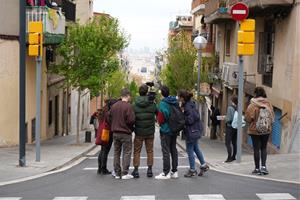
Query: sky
{"type": "Point", "coordinates": [146, 22]}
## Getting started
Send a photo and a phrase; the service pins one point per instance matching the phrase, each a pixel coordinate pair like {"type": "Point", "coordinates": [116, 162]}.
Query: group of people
{"type": "Point", "coordinates": [124, 119]}
{"type": "Point", "coordinates": [259, 116]}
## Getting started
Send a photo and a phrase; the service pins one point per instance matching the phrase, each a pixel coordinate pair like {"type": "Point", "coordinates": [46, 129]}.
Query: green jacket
{"type": "Point", "coordinates": [144, 116]}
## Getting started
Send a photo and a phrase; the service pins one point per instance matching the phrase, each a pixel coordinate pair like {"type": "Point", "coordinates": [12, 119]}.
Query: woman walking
{"type": "Point", "coordinates": [193, 131]}
{"type": "Point", "coordinates": [260, 116]}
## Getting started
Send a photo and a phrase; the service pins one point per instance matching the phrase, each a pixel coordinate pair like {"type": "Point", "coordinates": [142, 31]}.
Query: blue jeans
{"type": "Point", "coordinates": [191, 148]}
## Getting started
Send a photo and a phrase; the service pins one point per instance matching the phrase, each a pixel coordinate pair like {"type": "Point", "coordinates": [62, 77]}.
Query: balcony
{"type": "Point", "coordinates": [216, 11]}
{"type": "Point", "coordinates": [198, 6]}
{"type": "Point", "coordinates": [69, 8]}
{"type": "Point", "coordinates": [53, 20]}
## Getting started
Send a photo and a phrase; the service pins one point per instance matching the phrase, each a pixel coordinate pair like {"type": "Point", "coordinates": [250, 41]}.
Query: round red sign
{"type": "Point", "coordinates": [239, 11]}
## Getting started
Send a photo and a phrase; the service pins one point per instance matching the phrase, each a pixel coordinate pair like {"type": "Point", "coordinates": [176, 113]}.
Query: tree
{"type": "Point", "coordinates": [88, 55]}
{"type": "Point", "coordinates": [115, 83]}
{"type": "Point", "coordinates": [180, 71]}
{"type": "Point", "coordinates": [134, 90]}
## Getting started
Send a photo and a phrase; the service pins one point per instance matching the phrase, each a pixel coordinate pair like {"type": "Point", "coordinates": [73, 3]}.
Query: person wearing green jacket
{"type": "Point", "coordinates": [145, 111]}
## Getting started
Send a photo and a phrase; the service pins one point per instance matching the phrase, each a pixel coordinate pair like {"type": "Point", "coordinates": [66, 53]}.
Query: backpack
{"type": "Point", "coordinates": [264, 121]}
{"type": "Point", "coordinates": [176, 119]}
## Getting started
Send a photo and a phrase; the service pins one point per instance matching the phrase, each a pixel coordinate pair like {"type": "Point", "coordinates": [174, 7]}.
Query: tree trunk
{"type": "Point", "coordinates": [78, 116]}
{"type": "Point", "coordinates": [102, 95]}
{"type": "Point", "coordinates": [67, 113]}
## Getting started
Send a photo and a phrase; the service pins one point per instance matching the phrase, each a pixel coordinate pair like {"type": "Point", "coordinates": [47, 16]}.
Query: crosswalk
{"type": "Point", "coordinates": [259, 196]}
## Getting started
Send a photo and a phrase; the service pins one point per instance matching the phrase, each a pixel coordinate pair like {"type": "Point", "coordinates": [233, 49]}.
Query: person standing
{"type": "Point", "coordinates": [231, 133]}
{"type": "Point", "coordinates": [103, 154]}
{"type": "Point", "coordinates": [144, 130]}
{"type": "Point", "coordinates": [167, 137]}
{"type": "Point", "coordinates": [122, 120]}
{"type": "Point", "coordinates": [193, 132]}
{"type": "Point", "coordinates": [215, 123]}
{"type": "Point", "coordinates": [260, 116]}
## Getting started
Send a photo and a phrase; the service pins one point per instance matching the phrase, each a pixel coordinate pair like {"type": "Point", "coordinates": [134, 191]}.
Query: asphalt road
{"type": "Point", "coordinates": [81, 182]}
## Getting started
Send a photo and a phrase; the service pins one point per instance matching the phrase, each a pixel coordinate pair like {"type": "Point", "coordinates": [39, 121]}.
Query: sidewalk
{"type": "Point", "coordinates": [284, 167]}
{"type": "Point", "coordinates": [55, 153]}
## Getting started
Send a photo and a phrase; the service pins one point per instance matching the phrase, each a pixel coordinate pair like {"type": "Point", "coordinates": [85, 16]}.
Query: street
{"type": "Point", "coordinates": [81, 182]}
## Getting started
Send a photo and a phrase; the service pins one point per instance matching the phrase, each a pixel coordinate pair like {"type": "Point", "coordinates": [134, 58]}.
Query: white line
{"type": "Point", "coordinates": [70, 198]}
{"type": "Point", "coordinates": [137, 198]}
{"type": "Point", "coordinates": [275, 196]}
{"type": "Point", "coordinates": [141, 167]}
{"type": "Point", "coordinates": [239, 12]}
{"type": "Point", "coordinates": [10, 198]}
{"type": "Point", "coordinates": [159, 157]}
{"type": "Point", "coordinates": [207, 197]}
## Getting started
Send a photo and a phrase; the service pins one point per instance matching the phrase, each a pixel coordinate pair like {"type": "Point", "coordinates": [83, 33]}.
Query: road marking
{"type": "Point", "coordinates": [275, 196]}
{"type": "Point", "coordinates": [137, 198]}
{"type": "Point", "coordinates": [10, 198]}
{"type": "Point", "coordinates": [159, 157]}
{"type": "Point", "coordinates": [141, 167]}
{"type": "Point", "coordinates": [206, 197]}
{"type": "Point", "coordinates": [70, 198]}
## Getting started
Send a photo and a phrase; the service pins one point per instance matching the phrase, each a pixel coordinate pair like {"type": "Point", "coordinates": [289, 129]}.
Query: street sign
{"type": "Point", "coordinates": [239, 11]}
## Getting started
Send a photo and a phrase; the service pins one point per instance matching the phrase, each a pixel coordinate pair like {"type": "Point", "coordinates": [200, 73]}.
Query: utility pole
{"type": "Point", "coordinates": [22, 83]}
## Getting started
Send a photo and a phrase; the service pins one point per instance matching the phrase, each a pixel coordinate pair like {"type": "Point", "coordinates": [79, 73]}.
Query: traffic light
{"type": "Point", "coordinates": [35, 38]}
{"type": "Point", "coordinates": [246, 38]}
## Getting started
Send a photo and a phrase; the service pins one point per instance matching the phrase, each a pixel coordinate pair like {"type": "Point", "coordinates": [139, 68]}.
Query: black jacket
{"type": "Point", "coordinates": [193, 126]}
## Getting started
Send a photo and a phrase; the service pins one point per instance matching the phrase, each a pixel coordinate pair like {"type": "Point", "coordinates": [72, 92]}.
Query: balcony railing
{"type": "Point", "coordinates": [53, 20]}
{"type": "Point", "coordinates": [198, 4]}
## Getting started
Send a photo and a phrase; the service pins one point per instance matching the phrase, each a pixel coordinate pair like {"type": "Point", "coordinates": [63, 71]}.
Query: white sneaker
{"type": "Point", "coordinates": [162, 176]}
{"type": "Point", "coordinates": [174, 175]}
{"type": "Point", "coordinates": [117, 177]}
{"type": "Point", "coordinates": [113, 173]}
{"type": "Point", "coordinates": [127, 176]}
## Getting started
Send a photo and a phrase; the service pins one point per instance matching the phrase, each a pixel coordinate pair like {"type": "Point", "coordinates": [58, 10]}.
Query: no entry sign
{"type": "Point", "coordinates": [239, 11]}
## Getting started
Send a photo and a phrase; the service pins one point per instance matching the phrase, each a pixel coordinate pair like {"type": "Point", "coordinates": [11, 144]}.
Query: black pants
{"type": "Point", "coordinates": [260, 143]}
{"type": "Point", "coordinates": [168, 147]}
{"type": "Point", "coordinates": [103, 155]}
{"type": "Point", "coordinates": [230, 142]}
{"type": "Point", "coordinates": [213, 132]}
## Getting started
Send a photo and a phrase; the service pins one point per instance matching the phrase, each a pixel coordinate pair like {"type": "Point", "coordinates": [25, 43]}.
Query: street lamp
{"type": "Point", "coordinates": [199, 43]}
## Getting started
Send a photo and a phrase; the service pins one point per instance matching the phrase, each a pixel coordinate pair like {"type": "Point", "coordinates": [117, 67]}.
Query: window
{"type": "Point", "coordinates": [50, 112]}
{"type": "Point", "coordinates": [227, 44]}
{"type": "Point", "coordinates": [266, 53]}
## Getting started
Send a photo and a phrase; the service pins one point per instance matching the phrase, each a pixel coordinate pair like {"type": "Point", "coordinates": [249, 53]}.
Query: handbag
{"type": "Point", "coordinates": [103, 134]}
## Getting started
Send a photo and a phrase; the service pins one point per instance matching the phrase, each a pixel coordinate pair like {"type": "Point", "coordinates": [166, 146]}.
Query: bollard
{"type": "Point", "coordinates": [88, 137]}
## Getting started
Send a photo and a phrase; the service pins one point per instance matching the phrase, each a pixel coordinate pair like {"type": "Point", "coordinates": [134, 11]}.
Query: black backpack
{"type": "Point", "coordinates": [176, 119]}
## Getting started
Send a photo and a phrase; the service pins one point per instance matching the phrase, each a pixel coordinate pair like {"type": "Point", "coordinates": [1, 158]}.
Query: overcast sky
{"type": "Point", "coordinates": [146, 21]}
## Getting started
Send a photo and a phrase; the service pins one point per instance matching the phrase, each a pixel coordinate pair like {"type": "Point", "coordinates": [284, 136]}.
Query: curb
{"type": "Point", "coordinates": [69, 164]}
{"type": "Point", "coordinates": [243, 175]}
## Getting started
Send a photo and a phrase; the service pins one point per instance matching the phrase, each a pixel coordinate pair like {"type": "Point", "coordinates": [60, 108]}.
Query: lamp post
{"type": "Point", "coordinates": [199, 43]}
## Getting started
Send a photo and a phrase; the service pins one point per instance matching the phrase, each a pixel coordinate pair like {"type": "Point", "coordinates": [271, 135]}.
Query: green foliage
{"type": "Point", "coordinates": [88, 53]}
{"type": "Point", "coordinates": [180, 71]}
{"type": "Point", "coordinates": [115, 83]}
{"type": "Point", "coordinates": [134, 90]}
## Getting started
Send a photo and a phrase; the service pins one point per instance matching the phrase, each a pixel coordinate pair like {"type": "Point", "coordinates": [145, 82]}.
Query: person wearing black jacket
{"type": "Point", "coordinates": [215, 123]}
{"type": "Point", "coordinates": [193, 132]}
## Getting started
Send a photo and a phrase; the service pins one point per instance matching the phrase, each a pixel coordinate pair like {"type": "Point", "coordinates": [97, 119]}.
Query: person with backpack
{"type": "Point", "coordinates": [105, 148]}
{"type": "Point", "coordinates": [231, 133]}
{"type": "Point", "coordinates": [260, 116]}
{"type": "Point", "coordinates": [122, 119]}
{"type": "Point", "coordinates": [193, 131]}
{"type": "Point", "coordinates": [145, 110]}
{"type": "Point", "coordinates": [171, 120]}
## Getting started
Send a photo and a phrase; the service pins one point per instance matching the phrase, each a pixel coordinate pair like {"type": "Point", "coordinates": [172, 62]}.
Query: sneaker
{"type": "Point", "coordinates": [228, 160]}
{"type": "Point", "coordinates": [256, 171]}
{"type": "Point", "coordinates": [174, 175]}
{"type": "Point", "coordinates": [127, 176]}
{"type": "Point", "coordinates": [204, 168]}
{"type": "Point", "coordinates": [264, 170]}
{"type": "Point", "coordinates": [163, 176]}
{"type": "Point", "coordinates": [99, 171]}
{"type": "Point", "coordinates": [190, 173]}
{"type": "Point", "coordinates": [135, 173]}
{"type": "Point", "coordinates": [105, 172]}
{"type": "Point", "coordinates": [149, 172]}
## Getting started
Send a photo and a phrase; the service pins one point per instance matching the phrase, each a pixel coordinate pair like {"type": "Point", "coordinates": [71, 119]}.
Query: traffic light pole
{"type": "Point", "coordinates": [38, 109]}
{"type": "Point", "coordinates": [22, 83]}
{"type": "Point", "coordinates": [240, 109]}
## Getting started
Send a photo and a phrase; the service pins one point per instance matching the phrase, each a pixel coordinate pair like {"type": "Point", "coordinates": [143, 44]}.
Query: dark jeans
{"type": "Point", "coordinates": [138, 144]}
{"type": "Point", "coordinates": [260, 143]}
{"type": "Point", "coordinates": [230, 142]}
{"type": "Point", "coordinates": [168, 147]}
{"type": "Point", "coordinates": [191, 149]}
{"type": "Point", "coordinates": [102, 157]}
{"type": "Point", "coordinates": [122, 142]}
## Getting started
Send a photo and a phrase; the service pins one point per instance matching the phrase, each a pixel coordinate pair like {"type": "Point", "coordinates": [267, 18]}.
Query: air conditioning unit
{"type": "Point", "coordinates": [230, 74]}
